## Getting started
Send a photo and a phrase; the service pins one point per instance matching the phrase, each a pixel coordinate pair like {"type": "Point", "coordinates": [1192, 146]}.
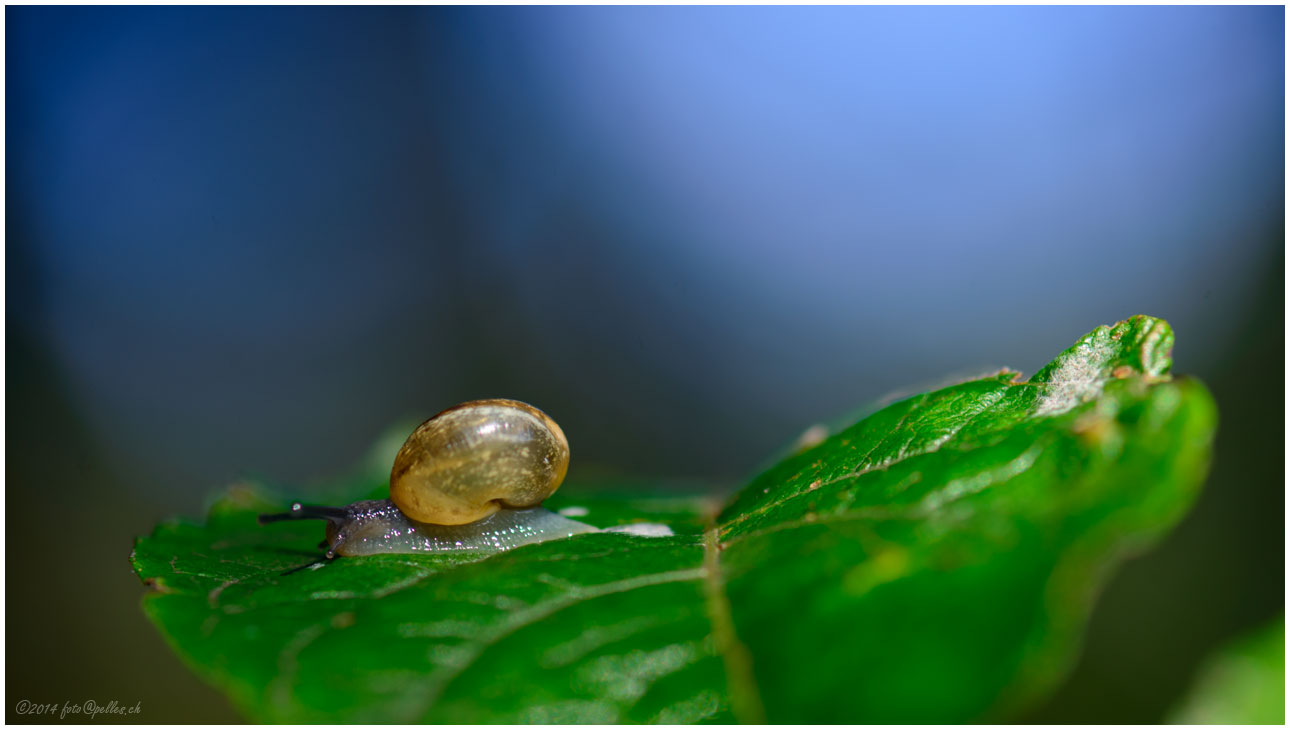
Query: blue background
{"type": "Point", "coordinates": [251, 239]}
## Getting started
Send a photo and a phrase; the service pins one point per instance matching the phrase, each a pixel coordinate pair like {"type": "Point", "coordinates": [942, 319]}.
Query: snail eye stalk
{"type": "Point", "coordinates": [307, 512]}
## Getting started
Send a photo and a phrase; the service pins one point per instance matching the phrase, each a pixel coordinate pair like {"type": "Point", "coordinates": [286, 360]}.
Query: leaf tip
{"type": "Point", "coordinates": [1138, 346]}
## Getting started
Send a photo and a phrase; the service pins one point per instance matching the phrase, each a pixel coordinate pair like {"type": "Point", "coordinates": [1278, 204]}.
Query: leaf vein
{"type": "Point", "coordinates": [881, 465]}
{"type": "Point", "coordinates": [441, 677]}
{"type": "Point", "coordinates": [741, 683]}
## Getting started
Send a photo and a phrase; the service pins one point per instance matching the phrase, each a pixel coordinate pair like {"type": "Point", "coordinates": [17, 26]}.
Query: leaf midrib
{"type": "Point", "coordinates": [741, 683]}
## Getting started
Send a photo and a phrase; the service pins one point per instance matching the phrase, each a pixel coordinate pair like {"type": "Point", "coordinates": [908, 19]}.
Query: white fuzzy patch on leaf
{"type": "Point", "coordinates": [1075, 381]}
{"type": "Point", "coordinates": [643, 529]}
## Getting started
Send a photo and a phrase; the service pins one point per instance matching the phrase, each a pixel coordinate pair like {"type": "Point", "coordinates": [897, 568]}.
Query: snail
{"type": "Point", "coordinates": [470, 479]}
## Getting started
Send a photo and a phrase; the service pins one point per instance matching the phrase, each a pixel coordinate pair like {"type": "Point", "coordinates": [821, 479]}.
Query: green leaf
{"type": "Point", "coordinates": [1244, 684]}
{"type": "Point", "coordinates": [934, 562]}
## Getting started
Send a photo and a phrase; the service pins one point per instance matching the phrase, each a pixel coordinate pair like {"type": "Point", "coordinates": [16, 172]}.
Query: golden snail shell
{"type": "Point", "coordinates": [474, 458]}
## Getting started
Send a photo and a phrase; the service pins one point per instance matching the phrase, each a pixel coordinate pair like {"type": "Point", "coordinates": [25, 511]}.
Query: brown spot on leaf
{"type": "Point", "coordinates": [157, 584]}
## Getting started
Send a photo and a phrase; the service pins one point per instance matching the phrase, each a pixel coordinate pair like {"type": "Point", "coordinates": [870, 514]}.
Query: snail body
{"type": "Point", "coordinates": [470, 479]}
{"type": "Point", "coordinates": [376, 527]}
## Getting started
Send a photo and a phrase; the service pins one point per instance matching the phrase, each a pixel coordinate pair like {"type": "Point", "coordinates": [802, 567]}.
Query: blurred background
{"type": "Point", "coordinates": [246, 240]}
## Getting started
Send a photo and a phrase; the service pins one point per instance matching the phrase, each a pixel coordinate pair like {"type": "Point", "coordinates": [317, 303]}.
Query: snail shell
{"type": "Point", "coordinates": [471, 460]}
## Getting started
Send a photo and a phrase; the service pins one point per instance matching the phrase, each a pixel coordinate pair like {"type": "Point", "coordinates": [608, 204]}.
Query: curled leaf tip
{"type": "Point", "coordinates": [1139, 345]}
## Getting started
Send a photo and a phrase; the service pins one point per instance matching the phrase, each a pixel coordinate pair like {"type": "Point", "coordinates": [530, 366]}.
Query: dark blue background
{"type": "Point", "coordinates": [250, 239]}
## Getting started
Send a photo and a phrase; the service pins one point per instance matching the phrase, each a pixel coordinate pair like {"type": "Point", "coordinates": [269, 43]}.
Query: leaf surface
{"type": "Point", "coordinates": [1243, 684]}
{"type": "Point", "coordinates": [934, 562]}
